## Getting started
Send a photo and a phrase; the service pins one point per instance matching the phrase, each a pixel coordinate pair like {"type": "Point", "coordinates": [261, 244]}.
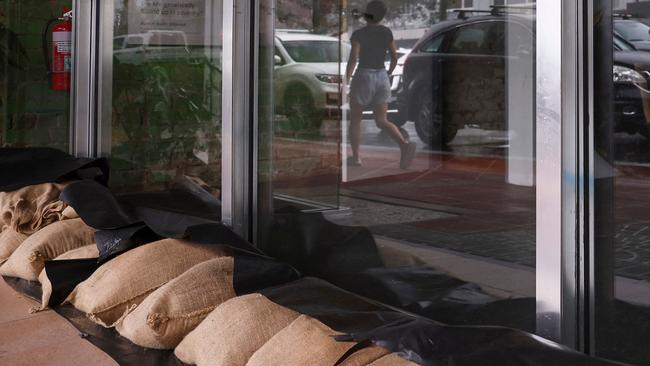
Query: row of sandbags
{"type": "Point", "coordinates": [169, 291]}
{"type": "Point", "coordinates": [173, 294]}
{"type": "Point", "coordinates": [176, 294]}
{"type": "Point", "coordinates": [215, 306]}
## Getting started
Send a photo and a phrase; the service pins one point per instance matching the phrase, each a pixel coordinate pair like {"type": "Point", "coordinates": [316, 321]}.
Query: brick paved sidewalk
{"type": "Point", "coordinates": [491, 218]}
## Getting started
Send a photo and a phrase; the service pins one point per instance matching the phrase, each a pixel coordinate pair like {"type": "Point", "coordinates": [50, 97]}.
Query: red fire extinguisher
{"type": "Point", "coordinates": [61, 65]}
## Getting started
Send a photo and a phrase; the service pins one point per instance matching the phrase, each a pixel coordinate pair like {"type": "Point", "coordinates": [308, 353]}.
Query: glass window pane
{"type": "Point", "coordinates": [434, 44]}
{"type": "Point", "coordinates": [35, 77]}
{"type": "Point", "coordinates": [161, 91]}
{"type": "Point", "coordinates": [401, 160]}
{"type": "Point", "coordinates": [621, 280]}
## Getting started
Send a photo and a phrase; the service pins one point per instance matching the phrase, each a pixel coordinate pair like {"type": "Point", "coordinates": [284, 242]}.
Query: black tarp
{"type": "Point", "coordinates": [421, 340]}
{"type": "Point", "coordinates": [26, 166]}
{"type": "Point", "coordinates": [348, 257]}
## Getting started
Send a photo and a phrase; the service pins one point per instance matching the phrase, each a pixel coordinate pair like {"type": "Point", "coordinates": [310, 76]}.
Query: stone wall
{"type": "Point", "coordinates": [475, 93]}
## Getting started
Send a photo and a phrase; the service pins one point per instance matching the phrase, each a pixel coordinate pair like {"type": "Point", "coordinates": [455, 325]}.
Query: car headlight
{"type": "Point", "coordinates": [624, 74]}
{"type": "Point", "coordinates": [329, 78]}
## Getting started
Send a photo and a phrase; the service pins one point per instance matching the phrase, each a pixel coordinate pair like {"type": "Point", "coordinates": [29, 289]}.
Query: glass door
{"type": "Point", "coordinates": [300, 148]}
{"type": "Point", "coordinates": [436, 128]}
{"type": "Point", "coordinates": [160, 92]}
{"type": "Point", "coordinates": [35, 73]}
{"type": "Point", "coordinates": [619, 269]}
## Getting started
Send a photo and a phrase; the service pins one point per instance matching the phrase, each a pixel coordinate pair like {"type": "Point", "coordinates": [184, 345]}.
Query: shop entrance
{"type": "Point", "coordinates": [429, 148]}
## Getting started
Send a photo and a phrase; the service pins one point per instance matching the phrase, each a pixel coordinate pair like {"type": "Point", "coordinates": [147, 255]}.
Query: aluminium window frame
{"type": "Point", "coordinates": [83, 95]}
{"type": "Point", "coordinates": [564, 165]}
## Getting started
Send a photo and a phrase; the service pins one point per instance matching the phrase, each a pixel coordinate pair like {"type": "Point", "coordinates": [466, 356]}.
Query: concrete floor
{"type": "Point", "coordinates": [44, 338]}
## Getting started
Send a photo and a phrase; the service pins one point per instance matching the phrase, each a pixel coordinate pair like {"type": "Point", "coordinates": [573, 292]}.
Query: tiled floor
{"type": "Point", "coordinates": [43, 338]}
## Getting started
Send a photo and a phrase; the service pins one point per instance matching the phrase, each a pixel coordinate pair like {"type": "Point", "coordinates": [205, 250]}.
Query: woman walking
{"type": "Point", "coordinates": [370, 86]}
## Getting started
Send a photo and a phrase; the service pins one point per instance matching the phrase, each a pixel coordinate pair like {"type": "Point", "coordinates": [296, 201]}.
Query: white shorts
{"type": "Point", "coordinates": [370, 87]}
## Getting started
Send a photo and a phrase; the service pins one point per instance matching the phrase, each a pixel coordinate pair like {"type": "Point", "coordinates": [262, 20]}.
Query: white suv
{"type": "Point", "coordinates": [308, 69]}
{"type": "Point", "coordinates": [308, 74]}
{"type": "Point", "coordinates": [154, 45]}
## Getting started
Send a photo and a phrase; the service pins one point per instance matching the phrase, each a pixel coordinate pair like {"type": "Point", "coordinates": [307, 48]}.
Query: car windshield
{"type": "Point", "coordinates": [622, 45]}
{"type": "Point", "coordinates": [633, 31]}
{"type": "Point", "coordinates": [317, 51]}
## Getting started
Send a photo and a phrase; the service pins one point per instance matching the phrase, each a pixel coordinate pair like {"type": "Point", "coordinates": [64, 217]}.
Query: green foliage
{"type": "Point", "coordinates": [165, 109]}
{"type": "Point", "coordinates": [11, 50]}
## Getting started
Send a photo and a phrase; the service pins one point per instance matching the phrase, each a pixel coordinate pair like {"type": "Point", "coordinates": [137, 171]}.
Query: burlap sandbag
{"type": "Point", "coordinates": [123, 282]}
{"type": "Point", "coordinates": [28, 260]}
{"type": "Point", "coordinates": [85, 252]}
{"type": "Point", "coordinates": [234, 331]}
{"type": "Point", "coordinates": [392, 360]}
{"type": "Point", "coordinates": [307, 341]}
{"type": "Point", "coordinates": [177, 307]}
{"type": "Point", "coordinates": [10, 240]}
{"type": "Point", "coordinates": [364, 356]}
{"type": "Point", "coordinates": [31, 208]}
{"type": "Point", "coordinates": [69, 213]}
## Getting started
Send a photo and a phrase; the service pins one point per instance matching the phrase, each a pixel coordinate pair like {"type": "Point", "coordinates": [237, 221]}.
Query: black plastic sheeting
{"type": "Point", "coordinates": [123, 222]}
{"type": "Point", "coordinates": [26, 166]}
{"type": "Point", "coordinates": [431, 344]}
{"type": "Point", "coordinates": [348, 257]}
{"type": "Point", "coordinates": [421, 340]}
{"type": "Point", "coordinates": [321, 248]}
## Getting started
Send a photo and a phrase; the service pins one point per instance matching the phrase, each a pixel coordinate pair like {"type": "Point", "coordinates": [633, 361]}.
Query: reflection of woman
{"type": "Point", "coordinates": [370, 86]}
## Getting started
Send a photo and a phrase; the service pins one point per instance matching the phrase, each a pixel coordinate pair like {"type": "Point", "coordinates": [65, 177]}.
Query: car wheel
{"type": "Point", "coordinates": [429, 123]}
{"type": "Point", "coordinates": [299, 108]}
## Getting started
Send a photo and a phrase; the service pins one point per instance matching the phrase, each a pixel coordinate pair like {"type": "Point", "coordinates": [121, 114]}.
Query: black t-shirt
{"type": "Point", "coordinates": [375, 42]}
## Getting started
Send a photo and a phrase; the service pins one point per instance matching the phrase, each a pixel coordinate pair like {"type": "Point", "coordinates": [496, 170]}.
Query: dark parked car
{"type": "Point", "coordinates": [456, 76]}
{"type": "Point", "coordinates": [633, 31]}
{"type": "Point", "coordinates": [631, 95]}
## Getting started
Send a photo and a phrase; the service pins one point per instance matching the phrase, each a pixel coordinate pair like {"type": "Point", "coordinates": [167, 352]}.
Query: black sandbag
{"type": "Point", "coordinates": [36, 165]}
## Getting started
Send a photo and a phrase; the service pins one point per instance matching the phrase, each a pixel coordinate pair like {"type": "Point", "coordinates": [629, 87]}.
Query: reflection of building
{"type": "Point", "coordinates": [483, 4]}
{"type": "Point", "coordinates": [632, 6]}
